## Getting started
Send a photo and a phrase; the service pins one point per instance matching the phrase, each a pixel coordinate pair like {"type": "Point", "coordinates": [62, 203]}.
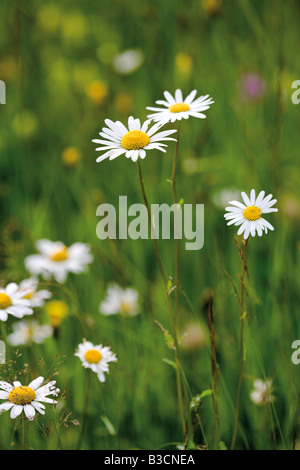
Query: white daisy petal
{"type": "Point", "coordinates": [16, 411]}
{"type": "Point", "coordinates": [169, 97]}
{"type": "Point", "coordinates": [252, 197]}
{"type": "Point", "coordinates": [29, 411]}
{"type": "Point", "coordinates": [36, 383]}
{"type": "Point", "coordinates": [190, 97]}
{"type": "Point", "coordinates": [178, 96]}
{"type": "Point", "coordinates": [5, 406]}
{"type": "Point", "coordinates": [246, 199]}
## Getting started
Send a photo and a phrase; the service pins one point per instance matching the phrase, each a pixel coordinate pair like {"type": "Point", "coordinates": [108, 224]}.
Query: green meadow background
{"type": "Point", "coordinates": [50, 55]}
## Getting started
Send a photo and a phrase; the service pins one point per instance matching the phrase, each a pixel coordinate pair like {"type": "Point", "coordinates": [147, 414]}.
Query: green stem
{"type": "Point", "coordinates": [176, 222]}
{"type": "Point", "coordinates": [24, 437]}
{"type": "Point", "coordinates": [84, 412]}
{"type": "Point", "coordinates": [179, 368]}
{"type": "Point", "coordinates": [240, 383]}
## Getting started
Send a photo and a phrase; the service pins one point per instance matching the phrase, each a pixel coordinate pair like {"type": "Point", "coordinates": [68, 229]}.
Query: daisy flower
{"type": "Point", "coordinates": [176, 108]}
{"type": "Point", "coordinates": [29, 287]}
{"type": "Point", "coordinates": [12, 302]}
{"type": "Point", "coordinates": [133, 142]}
{"type": "Point", "coordinates": [249, 215]}
{"type": "Point", "coordinates": [27, 332]}
{"type": "Point", "coordinates": [261, 394]}
{"type": "Point", "coordinates": [96, 358]}
{"type": "Point", "coordinates": [56, 259]}
{"type": "Point", "coordinates": [118, 300]}
{"type": "Point", "coordinates": [28, 398]}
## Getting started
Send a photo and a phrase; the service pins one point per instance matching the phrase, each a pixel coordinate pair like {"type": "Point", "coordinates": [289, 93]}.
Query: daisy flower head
{"type": "Point", "coordinates": [28, 332]}
{"type": "Point", "coordinates": [27, 398]}
{"type": "Point", "coordinates": [262, 392]}
{"type": "Point", "coordinates": [95, 357]}
{"type": "Point", "coordinates": [120, 301]}
{"type": "Point", "coordinates": [248, 216]}
{"type": "Point", "coordinates": [57, 260]}
{"type": "Point", "coordinates": [12, 302]}
{"type": "Point", "coordinates": [176, 108]}
{"type": "Point", "coordinates": [133, 141]}
{"type": "Point", "coordinates": [29, 287]}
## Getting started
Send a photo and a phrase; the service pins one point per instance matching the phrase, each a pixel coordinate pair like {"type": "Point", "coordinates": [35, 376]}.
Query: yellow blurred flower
{"type": "Point", "coordinates": [71, 156]}
{"type": "Point", "coordinates": [49, 17]}
{"type": "Point", "coordinates": [123, 102]}
{"type": "Point", "coordinates": [97, 91]}
{"type": "Point", "coordinates": [183, 63]}
{"type": "Point", "coordinates": [56, 311]}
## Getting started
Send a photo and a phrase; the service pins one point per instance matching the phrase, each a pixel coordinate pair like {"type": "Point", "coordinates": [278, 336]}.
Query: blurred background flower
{"type": "Point", "coordinates": [56, 311]}
{"type": "Point", "coordinates": [252, 87]}
{"type": "Point", "coordinates": [28, 332]}
{"type": "Point", "coordinates": [128, 61]}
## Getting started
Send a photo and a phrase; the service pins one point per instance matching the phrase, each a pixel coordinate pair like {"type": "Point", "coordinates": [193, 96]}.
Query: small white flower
{"type": "Point", "coordinates": [249, 215]}
{"type": "Point", "coordinates": [133, 142]}
{"type": "Point", "coordinates": [118, 300]}
{"type": "Point", "coordinates": [95, 357]}
{"type": "Point", "coordinates": [128, 61]}
{"type": "Point", "coordinates": [27, 332]}
{"type": "Point", "coordinates": [261, 395]}
{"type": "Point", "coordinates": [56, 259]}
{"type": "Point", "coordinates": [29, 287]}
{"type": "Point", "coordinates": [28, 398]}
{"type": "Point", "coordinates": [177, 108]}
{"type": "Point", "coordinates": [12, 303]}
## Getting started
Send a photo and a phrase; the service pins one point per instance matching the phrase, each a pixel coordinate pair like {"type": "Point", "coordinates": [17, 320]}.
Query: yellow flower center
{"type": "Point", "coordinates": [61, 255]}
{"type": "Point", "coordinates": [93, 356]}
{"type": "Point", "coordinates": [252, 213]}
{"type": "Point", "coordinates": [29, 295]}
{"type": "Point", "coordinates": [135, 140]}
{"type": "Point", "coordinates": [5, 301]}
{"type": "Point", "coordinates": [21, 395]}
{"type": "Point", "coordinates": [126, 307]}
{"type": "Point", "coordinates": [179, 107]}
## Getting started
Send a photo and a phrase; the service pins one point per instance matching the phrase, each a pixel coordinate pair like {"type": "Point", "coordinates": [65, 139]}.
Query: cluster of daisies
{"type": "Point", "coordinates": [136, 139]}
{"type": "Point", "coordinates": [54, 260]}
